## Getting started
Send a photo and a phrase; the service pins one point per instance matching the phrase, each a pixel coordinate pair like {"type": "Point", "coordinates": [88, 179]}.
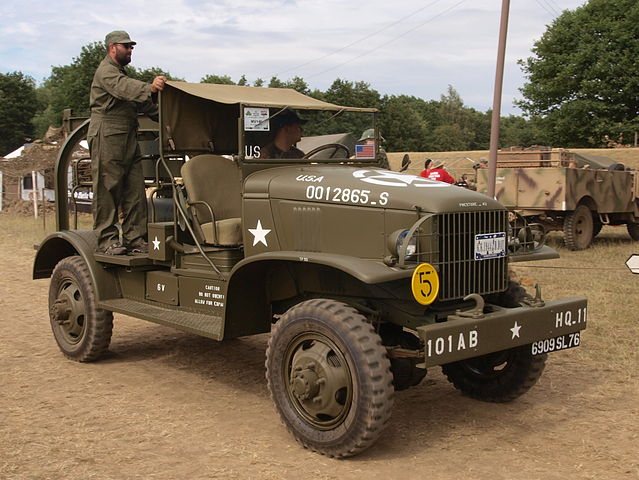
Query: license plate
{"type": "Point", "coordinates": [490, 245]}
{"type": "Point", "coordinates": [562, 342]}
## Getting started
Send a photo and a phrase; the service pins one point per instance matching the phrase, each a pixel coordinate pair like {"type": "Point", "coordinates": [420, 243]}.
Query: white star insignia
{"type": "Point", "coordinates": [156, 243]}
{"type": "Point", "coordinates": [515, 330]}
{"type": "Point", "coordinates": [259, 234]}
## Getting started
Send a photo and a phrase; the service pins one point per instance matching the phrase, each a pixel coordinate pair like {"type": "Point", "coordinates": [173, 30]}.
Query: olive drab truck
{"type": "Point", "coordinates": [561, 190]}
{"type": "Point", "coordinates": [365, 278]}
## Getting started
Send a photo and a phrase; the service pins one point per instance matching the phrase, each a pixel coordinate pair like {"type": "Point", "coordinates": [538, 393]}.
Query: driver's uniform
{"type": "Point", "coordinates": [273, 151]}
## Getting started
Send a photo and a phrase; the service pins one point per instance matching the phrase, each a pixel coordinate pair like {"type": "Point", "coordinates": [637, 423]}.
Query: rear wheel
{"type": "Point", "coordinates": [578, 228]}
{"type": "Point", "coordinates": [633, 231]}
{"type": "Point", "coordinates": [329, 377]}
{"type": "Point", "coordinates": [497, 377]}
{"type": "Point", "coordinates": [82, 331]}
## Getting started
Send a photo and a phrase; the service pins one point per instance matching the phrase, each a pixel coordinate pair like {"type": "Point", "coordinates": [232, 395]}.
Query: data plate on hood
{"type": "Point", "coordinates": [490, 245]}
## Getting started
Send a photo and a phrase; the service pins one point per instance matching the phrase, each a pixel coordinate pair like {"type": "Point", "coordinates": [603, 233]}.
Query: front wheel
{"type": "Point", "coordinates": [497, 377]}
{"type": "Point", "coordinates": [329, 377]}
{"type": "Point", "coordinates": [82, 331]}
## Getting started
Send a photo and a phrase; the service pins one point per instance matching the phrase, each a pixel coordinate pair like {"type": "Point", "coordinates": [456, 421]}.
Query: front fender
{"type": "Point", "coordinates": [66, 243]}
{"type": "Point", "coordinates": [365, 270]}
{"type": "Point", "coordinates": [272, 276]}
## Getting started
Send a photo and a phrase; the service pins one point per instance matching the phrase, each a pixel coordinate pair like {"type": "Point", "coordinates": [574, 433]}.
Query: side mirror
{"type": "Point", "coordinates": [405, 162]}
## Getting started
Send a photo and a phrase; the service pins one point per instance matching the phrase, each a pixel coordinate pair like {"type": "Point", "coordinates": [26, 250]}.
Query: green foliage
{"type": "Point", "coordinates": [404, 123]}
{"type": "Point", "coordinates": [148, 74]}
{"type": "Point", "coordinates": [218, 79]}
{"type": "Point", "coordinates": [517, 131]}
{"type": "Point", "coordinates": [69, 86]}
{"type": "Point", "coordinates": [583, 78]}
{"type": "Point", "coordinates": [18, 104]}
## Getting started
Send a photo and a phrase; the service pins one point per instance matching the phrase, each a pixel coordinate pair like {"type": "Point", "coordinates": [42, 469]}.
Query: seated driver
{"type": "Point", "coordinates": [288, 131]}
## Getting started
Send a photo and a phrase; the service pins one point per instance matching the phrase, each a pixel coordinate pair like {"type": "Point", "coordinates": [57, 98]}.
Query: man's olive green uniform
{"type": "Point", "coordinates": [118, 181]}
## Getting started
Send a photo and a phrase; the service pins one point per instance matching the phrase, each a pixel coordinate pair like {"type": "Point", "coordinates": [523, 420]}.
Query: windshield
{"type": "Point", "coordinates": [271, 133]}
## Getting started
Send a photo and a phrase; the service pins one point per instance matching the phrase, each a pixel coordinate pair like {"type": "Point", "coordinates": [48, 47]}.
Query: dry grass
{"type": "Point", "coordinates": [458, 162]}
{"type": "Point", "coordinates": [27, 230]}
{"type": "Point", "coordinates": [599, 274]}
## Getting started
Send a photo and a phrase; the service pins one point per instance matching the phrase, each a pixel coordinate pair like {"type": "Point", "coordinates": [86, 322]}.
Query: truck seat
{"type": "Point", "coordinates": [214, 191]}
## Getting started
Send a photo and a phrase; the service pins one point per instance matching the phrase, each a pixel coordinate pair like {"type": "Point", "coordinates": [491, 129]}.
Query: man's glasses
{"type": "Point", "coordinates": [128, 46]}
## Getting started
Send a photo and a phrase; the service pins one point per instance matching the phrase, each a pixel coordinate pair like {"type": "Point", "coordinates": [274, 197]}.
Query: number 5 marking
{"type": "Point", "coordinates": [425, 284]}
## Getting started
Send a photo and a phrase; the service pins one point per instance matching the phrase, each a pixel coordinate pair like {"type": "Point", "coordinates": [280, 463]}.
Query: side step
{"type": "Point", "coordinates": [139, 260]}
{"type": "Point", "coordinates": [198, 323]}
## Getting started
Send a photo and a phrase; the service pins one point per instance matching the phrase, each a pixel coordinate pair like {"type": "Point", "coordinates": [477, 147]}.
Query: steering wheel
{"type": "Point", "coordinates": [336, 146]}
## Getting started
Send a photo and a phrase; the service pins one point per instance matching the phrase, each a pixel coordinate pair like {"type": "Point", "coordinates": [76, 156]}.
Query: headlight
{"type": "Point", "coordinates": [396, 240]}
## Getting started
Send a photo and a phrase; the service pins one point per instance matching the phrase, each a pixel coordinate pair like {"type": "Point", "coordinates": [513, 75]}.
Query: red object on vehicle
{"type": "Point", "coordinates": [439, 174]}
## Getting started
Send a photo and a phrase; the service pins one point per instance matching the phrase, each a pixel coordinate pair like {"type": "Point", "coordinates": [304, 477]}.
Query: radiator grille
{"type": "Point", "coordinates": [460, 274]}
{"type": "Point", "coordinates": [447, 241]}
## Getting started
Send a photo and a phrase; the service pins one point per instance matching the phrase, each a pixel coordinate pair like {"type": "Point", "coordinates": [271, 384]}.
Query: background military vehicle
{"type": "Point", "coordinates": [560, 190]}
{"type": "Point", "coordinates": [364, 277]}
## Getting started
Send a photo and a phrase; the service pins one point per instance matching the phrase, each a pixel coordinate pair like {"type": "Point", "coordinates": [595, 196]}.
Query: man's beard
{"type": "Point", "coordinates": [122, 58]}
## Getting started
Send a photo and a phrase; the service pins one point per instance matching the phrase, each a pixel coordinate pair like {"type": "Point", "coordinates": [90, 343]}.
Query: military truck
{"type": "Point", "coordinates": [364, 277]}
{"type": "Point", "coordinates": [562, 190]}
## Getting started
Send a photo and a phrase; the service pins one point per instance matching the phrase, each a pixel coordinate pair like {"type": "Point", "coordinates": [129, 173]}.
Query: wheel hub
{"type": "Point", "coordinates": [61, 310]}
{"type": "Point", "coordinates": [305, 382]}
{"type": "Point", "coordinates": [319, 381]}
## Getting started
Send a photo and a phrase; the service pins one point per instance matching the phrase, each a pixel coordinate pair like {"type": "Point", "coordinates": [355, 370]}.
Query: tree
{"type": "Point", "coordinates": [18, 104]}
{"type": "Point", "coordinates": [219, 79]}
{"type": "Point", "coordinates": [148, 74]}
{"type": "Point", "coordinates": [583, 80]}
{"type": "Point", "coordinates": [68, 86]}
{"type": "Point", "coordinates": [403, 123]}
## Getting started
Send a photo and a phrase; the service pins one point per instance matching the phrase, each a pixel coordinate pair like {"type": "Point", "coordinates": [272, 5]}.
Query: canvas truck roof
{"type": "Point", "coordinates": [259, 96]}
{"type": "Point", "coordinates": [203, 117]}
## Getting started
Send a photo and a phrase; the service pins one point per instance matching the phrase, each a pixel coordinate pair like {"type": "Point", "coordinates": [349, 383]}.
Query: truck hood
{"type": "Point", "coordinates": [364, 187]}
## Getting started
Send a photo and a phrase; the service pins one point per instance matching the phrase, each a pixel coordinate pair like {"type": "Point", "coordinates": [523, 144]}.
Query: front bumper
{"type": "Point", "coordinates": [461, 337]}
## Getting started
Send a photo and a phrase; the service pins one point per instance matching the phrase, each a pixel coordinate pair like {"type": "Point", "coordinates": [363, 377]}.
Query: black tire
{"type": "Point", "coordinates": [578, 228]}
{"type": "Point", "coordinates": [633, 231]}
{"type": "Point", "coordinates": [497, 377]}
{"type": "Point", "coordinates": [597, 226]}
{"type": "Point", "coordinates": [329, 377]}
{"type": "Point", "coordinates": [82, 331]}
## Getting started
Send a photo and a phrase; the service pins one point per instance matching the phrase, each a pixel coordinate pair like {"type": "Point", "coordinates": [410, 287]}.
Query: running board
{"type": "Point", "coordinates": [198, 323]}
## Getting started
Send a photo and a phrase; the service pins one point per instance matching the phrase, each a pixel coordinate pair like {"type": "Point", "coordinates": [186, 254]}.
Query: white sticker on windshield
{"type": "Point", "coordinates": [256, 119]}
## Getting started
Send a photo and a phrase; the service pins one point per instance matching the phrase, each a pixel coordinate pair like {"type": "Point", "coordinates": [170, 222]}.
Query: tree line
{"type": "Point", "coordinates": [581, 90]}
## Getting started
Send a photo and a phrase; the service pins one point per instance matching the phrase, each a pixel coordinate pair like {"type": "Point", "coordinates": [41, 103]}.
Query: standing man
{"type": "Point", "coordinates": [118, 181]}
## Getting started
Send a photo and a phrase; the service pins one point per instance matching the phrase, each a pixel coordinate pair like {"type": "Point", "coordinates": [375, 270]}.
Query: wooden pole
{"type": "Point", "coordinates": [34, 185]}
{"type": "Point", "coordinates": [499, 79]}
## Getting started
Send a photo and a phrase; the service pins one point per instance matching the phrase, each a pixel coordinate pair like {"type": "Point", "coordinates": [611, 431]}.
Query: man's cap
{"type": "Point", "coordinates": [287, 117]}
{"type": "Point", "coordinates": [118, 36]}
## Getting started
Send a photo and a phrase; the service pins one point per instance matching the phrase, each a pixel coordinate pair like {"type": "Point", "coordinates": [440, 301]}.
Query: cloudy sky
{"type": "Point", "coordinates": [414, 47]}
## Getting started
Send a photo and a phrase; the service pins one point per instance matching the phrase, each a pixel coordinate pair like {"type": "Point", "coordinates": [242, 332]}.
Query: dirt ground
{"type": "Point", "coordinates": [170, 405]}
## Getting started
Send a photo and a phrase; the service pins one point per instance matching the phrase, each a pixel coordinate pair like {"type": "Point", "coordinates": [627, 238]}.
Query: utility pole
{"type": "Point", "coordinates": [499, 80]}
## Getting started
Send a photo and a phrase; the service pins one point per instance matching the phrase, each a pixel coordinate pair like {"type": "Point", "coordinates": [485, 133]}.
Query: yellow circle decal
{"type": "Point", "coordinates": [425, 284]}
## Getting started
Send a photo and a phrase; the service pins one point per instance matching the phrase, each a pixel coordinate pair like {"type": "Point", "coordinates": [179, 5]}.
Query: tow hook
{"type": "Point", "coordinates": [477, 311]}
{"type": "Point", "coordinates": [537, 301]}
